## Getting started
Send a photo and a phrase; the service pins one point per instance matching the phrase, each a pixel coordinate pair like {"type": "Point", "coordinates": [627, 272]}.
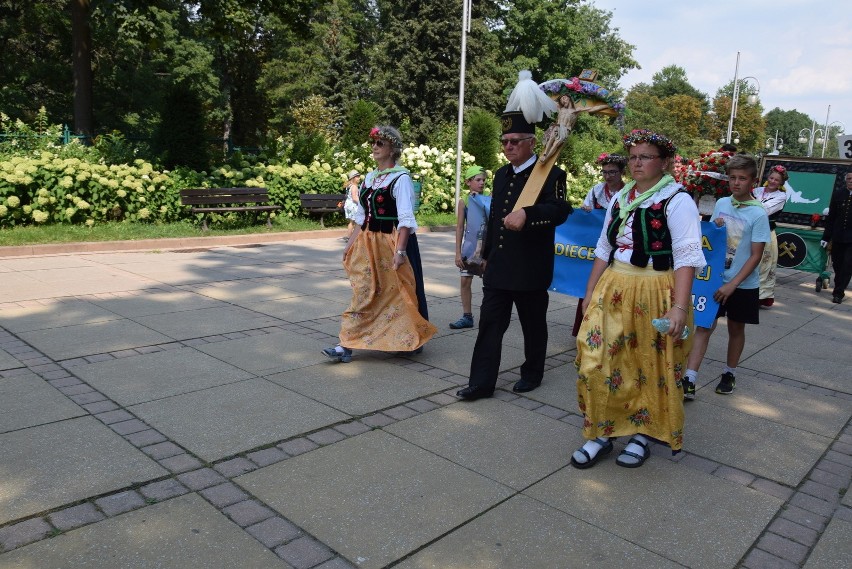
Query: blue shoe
{"type": "Point", "coordinates": [463, 322]}
{"type": "Point", "coordinates": [338, 354]}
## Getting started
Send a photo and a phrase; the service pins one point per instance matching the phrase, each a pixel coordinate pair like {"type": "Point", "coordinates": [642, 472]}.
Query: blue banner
{"type": "Point", "coordinates": [574, 254]}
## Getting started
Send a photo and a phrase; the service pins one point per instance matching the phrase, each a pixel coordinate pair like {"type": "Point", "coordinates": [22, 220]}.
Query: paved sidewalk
{"type": "Point", "coordinates": [172, 409]}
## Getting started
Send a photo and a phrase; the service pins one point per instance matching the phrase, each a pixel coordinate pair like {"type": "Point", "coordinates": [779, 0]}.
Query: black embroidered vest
{"type": "Point", "coordinates": [651, 236]}
{"type": "Point", "coordinates": [380, 207]}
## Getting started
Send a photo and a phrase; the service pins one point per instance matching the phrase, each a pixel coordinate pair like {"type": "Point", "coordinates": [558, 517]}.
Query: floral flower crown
{"type": "Point", "coordinates": [388, 133]}
{"type": "Point", "coordinates": [616, 159]}
{"type": "Point", "coordinates": [778, 168]}
{"type": "Point", "coordinates": [638, 136]}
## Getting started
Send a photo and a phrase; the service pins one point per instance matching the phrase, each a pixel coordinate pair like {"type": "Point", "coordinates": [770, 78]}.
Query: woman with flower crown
{"type": "Point", "coordinates": [383, 314]}
{"type": "Point", "coordinates": [773, 198]}
{"type": "Point", "coordinates": [629, 376]}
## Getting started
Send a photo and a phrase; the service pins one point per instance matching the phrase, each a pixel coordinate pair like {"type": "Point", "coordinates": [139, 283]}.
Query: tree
{"type": "Point", "coordinates": [363, 115]}
{"type": "Point", "coordinates": [181, 139]}
{"type": "Point", "coordinates": [480, 138]}
{"type": "Point", "coordinates": [560, 38]}
{"type": "Point", "coordinates": [788, 124]}
{"type": "Point", "coordinates": [82, 64]}
{"type": "Point", "coordinates": [748, 122]}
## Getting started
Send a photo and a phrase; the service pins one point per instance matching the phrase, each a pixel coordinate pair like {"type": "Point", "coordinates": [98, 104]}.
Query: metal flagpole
{"type": "Point", "coordinates": [466, 5]}
{"type": "Point", "coordinates": [734, 100]}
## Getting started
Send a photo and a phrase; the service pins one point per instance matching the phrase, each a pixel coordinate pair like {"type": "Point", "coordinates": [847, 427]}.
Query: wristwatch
{"type": "Point", "coordinates": [402, 253]}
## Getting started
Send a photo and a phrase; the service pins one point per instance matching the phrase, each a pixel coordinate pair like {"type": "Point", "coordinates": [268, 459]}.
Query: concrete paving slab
{"type": "Point", "coordinates": [245, 291]}
{"type": "Point", "coordinates": [206, 322]}
{"type": "Point", "coordinates": [46, 466]}
{"type": "Point", "coordinates": [299, 308]}
{"type": "Point", "coordinates": [98, 337]}
{"type": "Point", "coordinates": [28, 400]}
{"type": "Point", "coordinates": [147, 377]}
{"type": "Point", "coordinates": [834, 548]}
{"type": "Point", "coordinates": [88, 280]}
{"type": "Point", "coordinates": [786, 405]}
{"type": "Point", "coordinates": [161, 302]}
{"type": "Point", "coordinates": [268, 353]}
{"type": "Point", "coordinates": [781, 361]}
{"type": "Point", "coordinates": [8, 361]}
{"type": "Point", "coordinates": [452, 353]}
{"type": "Point", "coordinates": [772, 450]}
{"type": "Point", "coordinates": [653, 508]}
{"type": "Point", "coordinates": [501, 441]}
{"type": "Point", "coordinates": [228, 419]}
{"type": "Point", "coordinates": [56, 314]}
{"type": "Point", "coordinates": [325, 286]}
{"type": "Point", "coordinates": [182, 533]}
{"type": "Point", "coordinates": [39, 262]}
{"type": "Point", "coordinates": [558, 388]}
{"type": "Point", "coordinates": [374, 497]}
{"type": "Point", "coordinates": [361, 386]}
{"type": "Point", "coordinates": [523, 532]}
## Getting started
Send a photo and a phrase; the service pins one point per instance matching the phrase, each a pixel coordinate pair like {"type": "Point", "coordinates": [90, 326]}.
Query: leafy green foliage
{"type": "Point", "coordinates": [480, 138]}
{"type": "Point", "coordinates": [180, 139]}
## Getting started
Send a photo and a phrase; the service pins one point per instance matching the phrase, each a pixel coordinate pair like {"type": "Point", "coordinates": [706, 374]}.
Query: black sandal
{"type": "Point", "coordinates": [640, 458]}
{"type": "Point", "coordinates": [604, 450]}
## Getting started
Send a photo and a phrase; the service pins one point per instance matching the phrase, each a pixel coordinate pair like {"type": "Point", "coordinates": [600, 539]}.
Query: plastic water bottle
{"type": "Point", "coordinates": [662, 325]}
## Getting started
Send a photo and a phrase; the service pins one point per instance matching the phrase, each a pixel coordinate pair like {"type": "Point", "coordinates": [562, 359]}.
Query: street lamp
{"type": "Point", "coordinates": [808, 135]}
{"type": "Point", "coordinates": [750, 99]}
{"type": "Point", "coordinates": [733, 133]}
{"type": "Point", "coordinates": [776, 144]}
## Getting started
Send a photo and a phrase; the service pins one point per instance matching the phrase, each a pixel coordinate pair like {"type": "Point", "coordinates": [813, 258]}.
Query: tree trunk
{"type": "Point", "coordinates": [82, 65]}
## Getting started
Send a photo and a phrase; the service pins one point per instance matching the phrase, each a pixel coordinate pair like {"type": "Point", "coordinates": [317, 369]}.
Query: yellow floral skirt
{"type": "Point", "coordinates": [629, 376]}
{"type": "Point", "coordinates": [383, 313]}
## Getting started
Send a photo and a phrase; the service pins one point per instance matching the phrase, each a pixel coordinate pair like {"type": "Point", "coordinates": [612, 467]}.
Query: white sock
{"type": "Point", "coordinates": [634, 448]}
{"type": "Point", "coordinates": [731, 370]}
{"type": "Point", "coordinates": [592, 447]}
{"type": "Point", "coordinates": [691, 375]}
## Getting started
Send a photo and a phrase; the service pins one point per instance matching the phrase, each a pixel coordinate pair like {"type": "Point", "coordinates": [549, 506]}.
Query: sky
{"type": "Point", "coordinates": [800, 51]}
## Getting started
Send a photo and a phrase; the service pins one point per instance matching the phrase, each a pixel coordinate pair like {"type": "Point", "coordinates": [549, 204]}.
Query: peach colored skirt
{"type": "Point", "coordinates": [383, 313]}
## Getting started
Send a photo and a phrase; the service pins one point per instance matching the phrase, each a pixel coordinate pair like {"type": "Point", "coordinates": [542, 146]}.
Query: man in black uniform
{"type": "Point", "coordinates": [838, 232]}
{"type": "Point", "coordinates": [518, 251]}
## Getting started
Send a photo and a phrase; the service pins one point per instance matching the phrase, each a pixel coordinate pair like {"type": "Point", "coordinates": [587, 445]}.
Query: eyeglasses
{"type": "Point", "coordinates": [641, 158]}
{"type": "Point", "coordinates": [610, 172]}
{"type": "Point", "coordinates": [513, 141]}
{"type": "Point", "coordinates": [378, 143]}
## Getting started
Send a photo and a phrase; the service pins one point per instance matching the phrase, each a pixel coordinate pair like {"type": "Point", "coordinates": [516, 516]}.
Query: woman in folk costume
{"type": "Point", "coordinates": [629, 376]}
{"type": "Point", "coordinates": [383, 314]}
{"type": "Point", "coordinates": [773, 198]}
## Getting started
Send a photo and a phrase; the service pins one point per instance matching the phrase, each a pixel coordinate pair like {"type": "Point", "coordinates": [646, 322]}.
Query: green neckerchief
{"type": "Point", "coordinates": [396, 168]}
{"type": "Point", "coordinates": [625, 209]}
{"type": "Point", "coordinates": [737, 203]}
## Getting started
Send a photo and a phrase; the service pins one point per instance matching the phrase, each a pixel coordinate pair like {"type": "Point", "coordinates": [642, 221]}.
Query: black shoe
{"type": "Point", "coordinates": [836, 299]}
{"type": "Point", "coordinates": [411, 352]}
{"type": "Point", "coordinates": [726, 384]}
{"type": "Point", "coordinates": [472, 393]}
{"type": "Point", "coordinates": [525, 385]}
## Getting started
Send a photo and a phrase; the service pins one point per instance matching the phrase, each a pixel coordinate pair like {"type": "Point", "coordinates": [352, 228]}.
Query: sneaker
{"type": "Point", "coordinates": [463, 322]}
{"type": "Point", "coordinates": [767, 302]}
{"type": "Point", "coordinates": [338, 354]}
{"type": "Point", "coordinates": [688, 390]}
{"type": "Point", "coordinates": [726, 384]}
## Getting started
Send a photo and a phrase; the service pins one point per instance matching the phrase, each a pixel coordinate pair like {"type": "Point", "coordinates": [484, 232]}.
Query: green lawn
{"type": "Point", "coordinates": [33, 235]}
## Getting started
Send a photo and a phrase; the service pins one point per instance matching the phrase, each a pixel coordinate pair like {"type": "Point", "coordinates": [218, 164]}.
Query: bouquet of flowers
{"type": "Point", "coordinates": [706, 175]}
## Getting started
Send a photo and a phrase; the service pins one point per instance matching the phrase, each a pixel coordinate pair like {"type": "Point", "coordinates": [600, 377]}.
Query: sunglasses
{"type": "Point", "coordinates": [513, 141]}
{"type": "Point", "coordinates": [379, 143]}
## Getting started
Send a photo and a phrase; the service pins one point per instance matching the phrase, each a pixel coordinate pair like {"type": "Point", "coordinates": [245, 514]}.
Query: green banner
{"type": "Point", "coordinates": [799, 249]}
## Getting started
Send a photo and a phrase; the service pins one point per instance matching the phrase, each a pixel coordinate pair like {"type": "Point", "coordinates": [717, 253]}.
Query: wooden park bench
{"type": "Point", "coordinates": [322, 204]}
{"type": "Point", "coordinates": [212, 200]}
